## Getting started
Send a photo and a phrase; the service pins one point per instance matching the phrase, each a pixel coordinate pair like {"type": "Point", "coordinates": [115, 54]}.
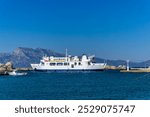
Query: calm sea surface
{"type": "Point", "coordinates": [105, 85]}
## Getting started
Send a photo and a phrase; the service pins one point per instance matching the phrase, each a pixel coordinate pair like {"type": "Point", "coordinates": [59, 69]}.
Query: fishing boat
{"type": "Point", "coordinates": [16, 73]}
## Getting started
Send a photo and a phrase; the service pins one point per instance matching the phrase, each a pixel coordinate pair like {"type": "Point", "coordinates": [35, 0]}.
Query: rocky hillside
{"type": "Point", "coordinates": [22, 57]}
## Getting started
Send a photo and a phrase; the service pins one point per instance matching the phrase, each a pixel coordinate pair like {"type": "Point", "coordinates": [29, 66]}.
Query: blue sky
{"type": "Point", "coordinates": [111, 29]}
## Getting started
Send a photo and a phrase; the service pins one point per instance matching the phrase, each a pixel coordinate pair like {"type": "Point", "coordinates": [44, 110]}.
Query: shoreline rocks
{"type": "Point", "coordinates": [120, 67]}
{"type": "Point", "coordinates": [8, 67]}
{"type": "Point", "coordinates": [5, 68]}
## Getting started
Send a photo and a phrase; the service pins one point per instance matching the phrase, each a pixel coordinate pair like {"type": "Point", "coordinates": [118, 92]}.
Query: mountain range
{"type": "Point", "coordinates": [23, 57]}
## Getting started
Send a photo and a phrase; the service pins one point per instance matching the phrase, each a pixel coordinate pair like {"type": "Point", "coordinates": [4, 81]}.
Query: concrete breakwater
{"type": "Point", "coordinates": [140, 70]}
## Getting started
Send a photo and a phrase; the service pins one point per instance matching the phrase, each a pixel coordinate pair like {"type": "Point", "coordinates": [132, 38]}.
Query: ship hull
{"type": "Point", "coordinates": [97, 67]}
{"type": "Point", "coordinates": [69, 70]}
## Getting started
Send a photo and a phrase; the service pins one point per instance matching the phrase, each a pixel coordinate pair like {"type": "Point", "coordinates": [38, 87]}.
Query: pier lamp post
{"type": "Point", "coordinates": [128, 65]}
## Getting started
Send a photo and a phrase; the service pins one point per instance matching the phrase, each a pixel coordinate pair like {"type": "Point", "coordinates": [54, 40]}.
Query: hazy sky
{"type": "Point", "coordinates": [114, 29]}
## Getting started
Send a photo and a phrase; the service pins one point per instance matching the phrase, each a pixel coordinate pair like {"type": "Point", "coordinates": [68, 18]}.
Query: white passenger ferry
{"type": "Point", "coordinates": [68, 63]}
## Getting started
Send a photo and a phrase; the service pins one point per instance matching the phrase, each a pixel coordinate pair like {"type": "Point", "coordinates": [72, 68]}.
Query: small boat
{"type": "Point", "coordinates": [15, 73]}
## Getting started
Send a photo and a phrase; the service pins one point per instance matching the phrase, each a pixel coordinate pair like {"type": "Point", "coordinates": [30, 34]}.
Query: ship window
{"type": "Point", "coordinates": [52, 64]}
{"type": "Point", "coordinates": [59, 64]}
{"type": "Point", "coordinates": [79, 63]}
{"type": "Point", "coordinates": [72, 66]}
{"type": "Point", "coordinates": [89, 63]}
{"type": "Point", "coordinates": [65, 64]}
{"type": "Point", "coordinates": [75, 63]}
{"type": "Point", "coordinates": [42, 63]}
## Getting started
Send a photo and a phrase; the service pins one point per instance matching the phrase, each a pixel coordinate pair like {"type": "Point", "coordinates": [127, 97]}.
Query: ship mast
{"type": "Point", "coordinates": [66, 54]}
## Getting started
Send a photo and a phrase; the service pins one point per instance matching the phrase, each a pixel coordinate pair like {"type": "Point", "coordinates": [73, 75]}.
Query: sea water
{"type": "Point", "coordinates": [104, 85]}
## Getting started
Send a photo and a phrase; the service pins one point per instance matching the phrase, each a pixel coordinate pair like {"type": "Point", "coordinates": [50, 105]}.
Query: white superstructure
{"type": "Point", "coordinates": [68, 63]}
